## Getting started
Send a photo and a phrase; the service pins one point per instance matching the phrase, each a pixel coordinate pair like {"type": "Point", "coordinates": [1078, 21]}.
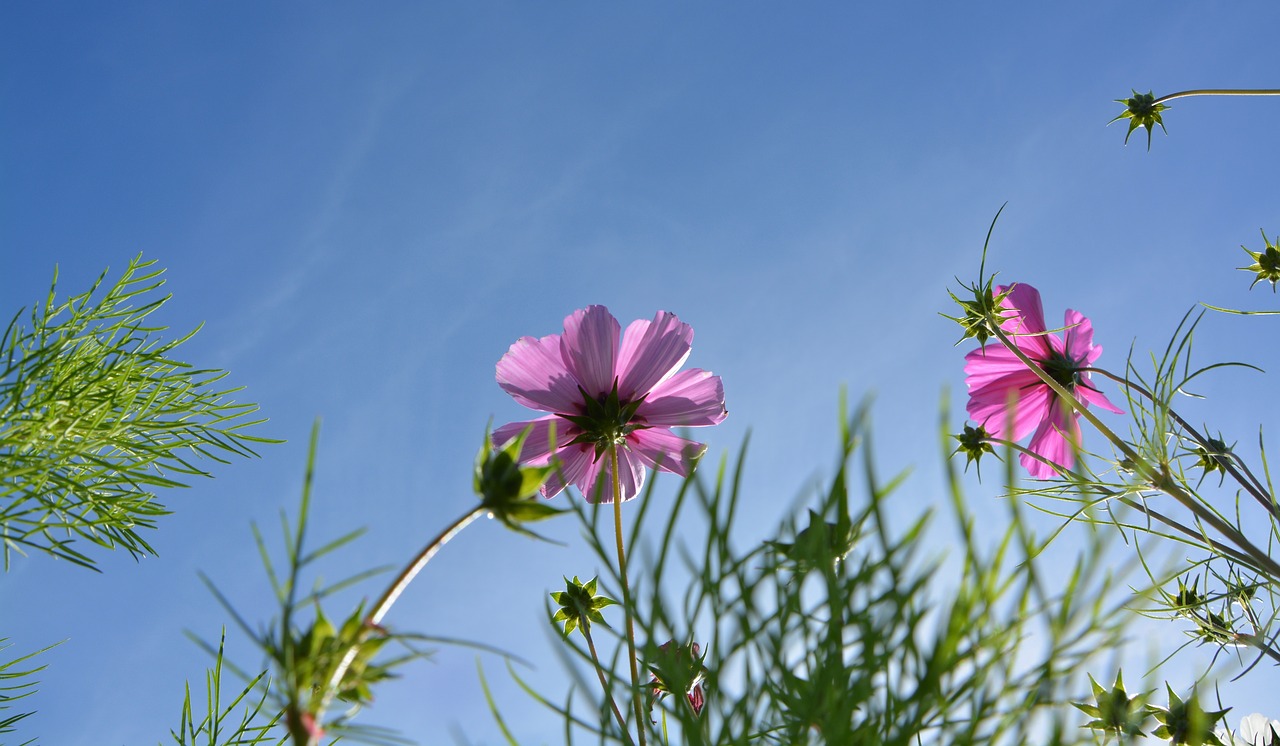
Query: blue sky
{"type": "Point", "coordinates": [366, 204]}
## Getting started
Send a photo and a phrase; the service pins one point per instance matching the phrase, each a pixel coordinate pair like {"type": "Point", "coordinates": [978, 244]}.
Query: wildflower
{"type": "Point", "coordinates": [1259, 730]}
{"type": "Point", "coordinates": [1009, 400]}
{"type": "Point", "coordinates": [678, 668]}
{"type": "Point", "coordinates": [604, 395]}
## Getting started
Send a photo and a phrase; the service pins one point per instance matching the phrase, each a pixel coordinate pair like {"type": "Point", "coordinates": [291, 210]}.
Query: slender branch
{"type": "Point", "coordinates": [1253, 488]}
{"type": "Point", "coordinates": [1140, 506]}
{"type": "Point", "coordinates": [392, 593]}
{"type": "Point", "coordinates": [626, 595]}
{"type": "Point", "coordinates": [1220, 92]}
{"type": "Point", "coordinates": [595, 658]}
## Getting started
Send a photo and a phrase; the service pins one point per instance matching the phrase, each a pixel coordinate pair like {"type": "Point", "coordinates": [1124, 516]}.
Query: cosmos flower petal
{"type": "Point", "coordinates": [589, 346]}
{"type": "Point", "coordinates": [1030, 405]}
{"type": "Point", "coordinates": [988, 364]}
{"type": "Point", "coordinates": [651, 352]}
{"type": "Point", "coordinates": [1097, 398]}
{"type": "Point", "coordinates": [659, 448]}
{"type": "Point", "coordinates": [597, 481]}
{"type": "Point", "coordinates": [534, 373]}
{"type": "Point", "coordinates": [574, 461]}
{"type": "Point", "coordinates": [690, 398]}
{"type": "Point", "coordinates": [1025, 300]}
{"type": "Point", "coordinates": [1079, 338]}
{"type": "Point", "coordinates": [537, 449]}
{"type": "Point", "coordinates": [1056, 439]}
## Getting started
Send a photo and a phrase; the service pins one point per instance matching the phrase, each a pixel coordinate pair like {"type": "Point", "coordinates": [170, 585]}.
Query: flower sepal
{"type": "Point", "coordinates": [1266, 263]}
{"type": "Point", "coordinates": [1114, 711]}
{"type": "Point", "coordinates": [579, 605]}
{"type": "Point", "coordinates": [1141, 110]}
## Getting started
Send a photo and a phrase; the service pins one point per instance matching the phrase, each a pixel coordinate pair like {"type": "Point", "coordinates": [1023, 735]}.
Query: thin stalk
{"type": "Point", "coordinates": [1108, 494]}
{"type": "Point", "coordinates": [626, 595]}
{"type": "Point", "coordinates": [1220, 92]}
{"type": "Point", "coordinates": [392, 593]}
{"type": "Point", "coordinates": [595, 658]}
{"type": "Point", "coordinates": [1159, 479]}
{"type": "Point", "coordinates": [1249, 484]}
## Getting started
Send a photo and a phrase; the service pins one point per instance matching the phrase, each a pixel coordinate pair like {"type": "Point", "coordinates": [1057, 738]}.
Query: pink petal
{"type": "Point", "coordinates": [534, 373]}
{"type": "Point", "coordinates": [990, 407]}
{"type": "Point", "coordinates": [991, 363]}
{"type": "Point", "coordinates": [1056, 439]}
{"type": "Point", "coordinates": [589, 347]}
{"type": "Point", "coordinates": [574, 461]}
{"type": "Point", "coordinates": [596, 482]}
{"type": "Point", "coordinates": [690, 398]}
{"type": "Point", "coordinates": [651, 352]}
{"type": "Point", "coordinates": [1079, 344]}
{"type": "Point", "coordinates": [1025, 300]}
{"type": "Point", "coordinates": [659, 448]}
{"type": "Point", "coordinates": [537, 447]}
{"type": "Point", "coordinates": [1096, 398]}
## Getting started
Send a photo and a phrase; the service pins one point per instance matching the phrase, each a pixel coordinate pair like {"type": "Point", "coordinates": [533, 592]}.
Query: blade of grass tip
{"type": "Point", "coordinates": [493, 706]}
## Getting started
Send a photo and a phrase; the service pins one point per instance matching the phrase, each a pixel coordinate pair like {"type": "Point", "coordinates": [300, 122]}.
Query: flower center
{"type": "Point", "coordinates": [1062, 369]}
{"type": "Point", "coordinates": [605, 420]}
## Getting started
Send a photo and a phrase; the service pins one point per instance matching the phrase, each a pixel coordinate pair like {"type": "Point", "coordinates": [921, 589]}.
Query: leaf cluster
{"type": "Point", "coordinates": [97, 414]}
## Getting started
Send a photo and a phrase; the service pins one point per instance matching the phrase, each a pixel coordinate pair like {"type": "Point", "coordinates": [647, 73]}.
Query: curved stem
{"type": "Point", "coordinates": [595, 658]}
{"type": "Point", "coordinates": [626, 595]}
{"type": "Point", "coordinates": [1160, 479]}
{"type": "Point", "coordinates": [1250, 485]}
{"type": "Point", "coordinates": [389, 597]}
{"type": "Point", "coordinates": [1220, 92]}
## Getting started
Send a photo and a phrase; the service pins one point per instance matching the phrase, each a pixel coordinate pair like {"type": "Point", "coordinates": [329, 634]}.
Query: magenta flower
{"type": "Point", "coordinates": [602, 395]}
{"type": "Point", "coordinates": [1010, 400]}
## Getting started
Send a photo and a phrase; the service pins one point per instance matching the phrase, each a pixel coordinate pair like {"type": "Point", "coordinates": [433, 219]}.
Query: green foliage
{"type": "Point", "coordinates": [97, 414]}
{"type": "Point", "coordinates": [16, 683]}
{"type": "Point", "coordinates": [815, 639]}
{"type": "Point", "coordinates": [217, 727]}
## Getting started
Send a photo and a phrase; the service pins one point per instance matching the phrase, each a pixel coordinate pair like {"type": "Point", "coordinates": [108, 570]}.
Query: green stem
{"type": "Point", "coordinates": [389, 597]}
{"type": "Point", "coordinates": [626, 595]}
{"type": "Point", "coordinates": [1159, 479]}
{"type": "Point", "coordinates": [1140, 506]}
{"type": "Point", "coordinates": [1252, 487]}
{"type": "Point", "coordinates": [595, 658]}
{"type": "Point", "coordinates": [1220, 92]}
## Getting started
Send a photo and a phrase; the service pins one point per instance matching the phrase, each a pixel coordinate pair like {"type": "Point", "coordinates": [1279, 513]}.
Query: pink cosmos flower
{"type": "Point", "coordinates": [603, 394]}
{"type": "Point", "coordinates": [1009, 400]}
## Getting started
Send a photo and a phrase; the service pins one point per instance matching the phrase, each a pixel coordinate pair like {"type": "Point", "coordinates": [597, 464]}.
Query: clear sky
{"type": "Point", "coordinates": [366, 204]}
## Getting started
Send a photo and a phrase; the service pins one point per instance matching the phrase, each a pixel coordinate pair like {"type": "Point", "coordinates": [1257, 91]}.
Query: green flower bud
{"type": "Point", "coordinates": [1114, 711]}
{"type": "Point", "coordinates": [1141, 110]}
{"type": "Point", "coordinates": [1266, 263]}
{"type": "Point", "coordinates": [579, 605]}
{"type": "Point", "coordinates": [508, 490]}
{"type": "Point", "coordinates": [1186, 722]}
{"type": "Point", "coordinates": [974, 442]}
